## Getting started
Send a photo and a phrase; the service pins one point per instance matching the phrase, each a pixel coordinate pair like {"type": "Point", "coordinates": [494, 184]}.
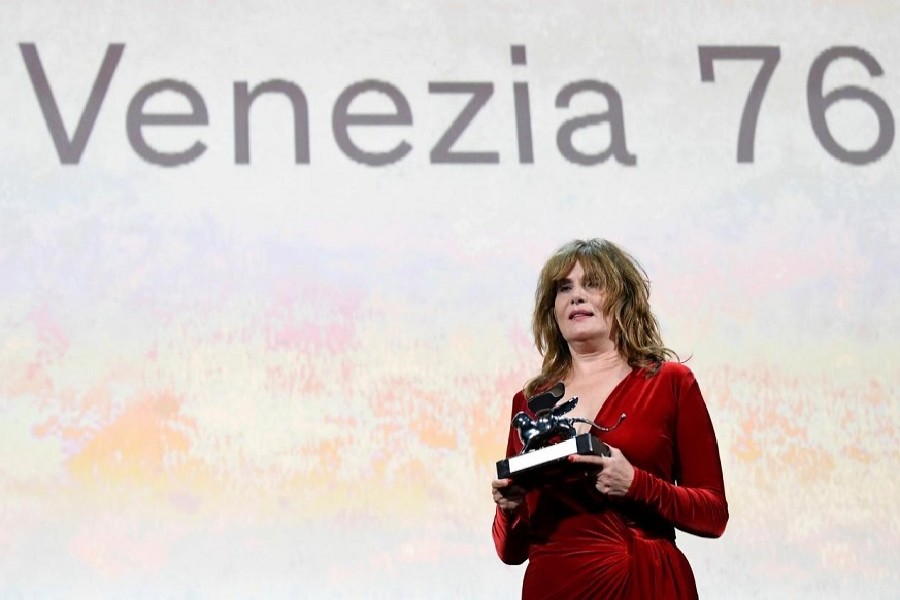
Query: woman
{"type": "Point", "coordinates": [612, 533]}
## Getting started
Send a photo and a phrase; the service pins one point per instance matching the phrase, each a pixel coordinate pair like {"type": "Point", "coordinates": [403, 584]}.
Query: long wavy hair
{"type": "Point", "coordinates": [635, 330]}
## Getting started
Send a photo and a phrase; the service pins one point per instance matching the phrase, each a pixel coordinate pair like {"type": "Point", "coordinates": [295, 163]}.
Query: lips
{"type": "Point", "coordinates": [580, 313]}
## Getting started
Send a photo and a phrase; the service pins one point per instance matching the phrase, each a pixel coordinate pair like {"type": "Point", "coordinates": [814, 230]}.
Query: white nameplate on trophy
{"type": "Point", "coordinates": [550, 459]}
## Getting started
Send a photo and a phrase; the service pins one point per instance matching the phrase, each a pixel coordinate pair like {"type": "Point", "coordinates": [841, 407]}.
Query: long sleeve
{"type": "Point", "coordinates": [697, 503]}
{"type": "Point", "coordinates": [511, 536]}
{"type": "Point", "coordinates": [511, 532]}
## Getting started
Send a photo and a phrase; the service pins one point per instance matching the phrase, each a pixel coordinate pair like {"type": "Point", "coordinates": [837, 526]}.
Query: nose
{"type": "Point", "coordinates": [577, 296]}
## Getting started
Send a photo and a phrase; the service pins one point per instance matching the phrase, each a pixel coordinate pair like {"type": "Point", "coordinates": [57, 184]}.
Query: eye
{"type": "Point", "coordinates": [563, 286]}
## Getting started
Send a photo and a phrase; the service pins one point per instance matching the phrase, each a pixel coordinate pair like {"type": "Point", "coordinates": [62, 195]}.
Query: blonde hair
{"type": "Point", "coordinates": [635, 330]}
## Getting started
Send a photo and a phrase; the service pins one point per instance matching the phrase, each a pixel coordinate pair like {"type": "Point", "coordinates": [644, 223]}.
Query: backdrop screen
{"type": "Point", "coordinates": [267, 272]}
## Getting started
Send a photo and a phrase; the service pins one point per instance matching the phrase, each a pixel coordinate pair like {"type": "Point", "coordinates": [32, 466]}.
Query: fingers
{"type": "Point", "coordinates": [507, 495]}
{"type": "Point", "coordinates": [589, 459]}
{"type": "Point", "coordinates": [505, 488]}
{"type": "Point", "coordinates": [604, 487]}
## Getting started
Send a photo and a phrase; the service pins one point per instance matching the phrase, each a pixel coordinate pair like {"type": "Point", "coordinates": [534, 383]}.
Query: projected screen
{"type": "Point", "coordinates": [267, 273]}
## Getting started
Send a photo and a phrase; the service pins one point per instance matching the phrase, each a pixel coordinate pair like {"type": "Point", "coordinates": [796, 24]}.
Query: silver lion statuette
{"type": "Point", "coordinates": [548, 438]}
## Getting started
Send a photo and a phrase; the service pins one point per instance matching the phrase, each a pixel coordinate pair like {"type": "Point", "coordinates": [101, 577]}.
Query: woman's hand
{"type": "Point", "coordinates": [508, 496]}
{"type": "Point", "coordinates": [611, 475]}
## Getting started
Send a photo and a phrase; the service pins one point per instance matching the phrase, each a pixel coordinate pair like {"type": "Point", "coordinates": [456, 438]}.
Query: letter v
{"type": "Point", "coordinates": [70, 150]}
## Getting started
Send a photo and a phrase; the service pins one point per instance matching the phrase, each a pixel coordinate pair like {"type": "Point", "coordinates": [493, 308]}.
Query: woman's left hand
{"type": "Point", "coordinates": [612, 475]}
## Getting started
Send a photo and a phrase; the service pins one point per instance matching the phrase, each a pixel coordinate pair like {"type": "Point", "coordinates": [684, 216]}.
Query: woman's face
{"type": "Point", "coordinates": [579, 309]}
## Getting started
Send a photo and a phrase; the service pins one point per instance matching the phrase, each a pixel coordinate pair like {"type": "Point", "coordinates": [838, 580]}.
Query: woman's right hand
{"type": "Point", "coordinates": [508, 496]}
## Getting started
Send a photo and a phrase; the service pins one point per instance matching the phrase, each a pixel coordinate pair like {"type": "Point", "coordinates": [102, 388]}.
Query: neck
{"type": "Point", "coordinates": [597, 361]}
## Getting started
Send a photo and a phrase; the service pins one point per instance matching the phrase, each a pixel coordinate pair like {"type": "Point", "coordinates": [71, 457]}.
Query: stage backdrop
{"type": "Point", "coordinates": [266, 274]}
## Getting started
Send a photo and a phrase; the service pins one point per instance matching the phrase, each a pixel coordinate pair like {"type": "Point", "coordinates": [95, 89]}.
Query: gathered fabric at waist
{"type": "Point", "coordinates": [606, 556]}
{"type": "Point", "coordinates": [589, 547]}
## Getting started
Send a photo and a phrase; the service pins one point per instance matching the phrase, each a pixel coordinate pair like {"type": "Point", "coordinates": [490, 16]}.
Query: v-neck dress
{"type": "Point", "coordinates": [580, 543]}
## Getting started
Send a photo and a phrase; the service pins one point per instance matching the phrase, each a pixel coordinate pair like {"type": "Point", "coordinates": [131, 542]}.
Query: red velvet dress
{"type": "Point", "coordinates": [582, 544]}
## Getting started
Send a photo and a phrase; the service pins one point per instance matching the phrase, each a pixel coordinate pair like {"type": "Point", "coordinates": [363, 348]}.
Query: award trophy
{"type": "Point", "coordinates": [549, 439]}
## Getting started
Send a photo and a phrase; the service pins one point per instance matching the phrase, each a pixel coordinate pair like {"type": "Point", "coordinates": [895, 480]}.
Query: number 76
{"type": "Point", "coordinates": [817, 102]}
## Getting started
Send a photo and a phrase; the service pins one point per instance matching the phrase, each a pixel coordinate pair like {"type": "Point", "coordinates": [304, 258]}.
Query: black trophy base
{"type": "Point", "coordinates": [550, 464]}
